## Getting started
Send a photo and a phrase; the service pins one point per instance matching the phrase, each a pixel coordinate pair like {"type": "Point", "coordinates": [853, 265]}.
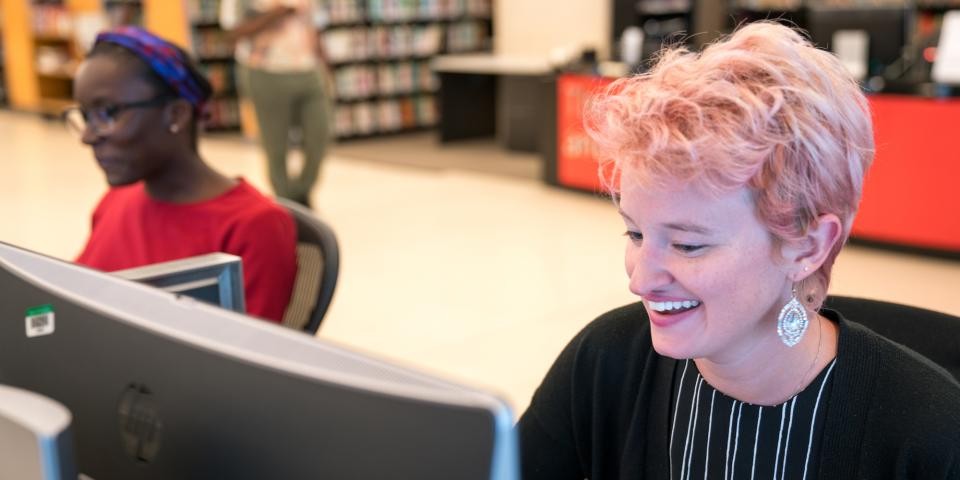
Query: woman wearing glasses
{"type": "Point", "coordinates": [139, 100]}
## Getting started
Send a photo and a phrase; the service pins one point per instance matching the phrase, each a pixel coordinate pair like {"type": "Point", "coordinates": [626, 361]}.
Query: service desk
{"type": "Point", "coordinates": [484, 95]}
{"type": "Point", "coordinates": [910, 199]}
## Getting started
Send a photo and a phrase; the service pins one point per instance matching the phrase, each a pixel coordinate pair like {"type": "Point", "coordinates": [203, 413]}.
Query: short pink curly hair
{"type": "Point", "coordinates": [762, 108]}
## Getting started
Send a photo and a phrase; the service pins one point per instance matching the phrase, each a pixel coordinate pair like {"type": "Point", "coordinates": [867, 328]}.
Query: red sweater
{"type": "Point", "coordinates": [130, 229]}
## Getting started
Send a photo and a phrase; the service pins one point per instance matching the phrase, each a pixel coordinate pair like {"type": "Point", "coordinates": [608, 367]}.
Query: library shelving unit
{"type": "Point", "coordinates": [123, 12]}
{"type": "Point", "coordinates": [43, 42]}
{"type": "Point", "coordinates": [56, 54]}
{"type": "Point", "coordinates": [213, 50]}
{"type": "Point", "coordinates": [380, 53]}
{"type": "Point", "coordinates": [660, 20]}
{"type": "Point", "coordinates": [745, 11]}
{"type": "Point", "coordinates": [3, 71]}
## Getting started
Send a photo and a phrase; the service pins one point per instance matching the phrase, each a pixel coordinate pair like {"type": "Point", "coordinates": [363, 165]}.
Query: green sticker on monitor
{"type": "Point", "coordinates": [39, 321]}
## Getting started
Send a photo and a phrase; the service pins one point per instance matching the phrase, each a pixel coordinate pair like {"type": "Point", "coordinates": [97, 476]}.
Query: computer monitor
{"type": "Point", "coordinates": [215, 278]}
{"type": "Point", "coordinates": [167, 387]}
{"type": "Point", "coordinates": [35, 440]}
{"type": "Point", "coordinates": [886, 29]}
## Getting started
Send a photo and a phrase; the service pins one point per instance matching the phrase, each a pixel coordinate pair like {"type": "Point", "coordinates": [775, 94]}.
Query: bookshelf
{"type": "Point", "coordinates": [43, 41]}
{"type": "Point", "coordinates": [661, 21]}
{"type": "Point", "coordinates": [56, 54]}
{"type": "Point", "coordinates": [123, 12]}
{"type": "Point", "coordinates": [3, 62]}
{"type": "Point", "coordinates": [380, 52]}
{"type": "Point", "coordinates": [213, 50]}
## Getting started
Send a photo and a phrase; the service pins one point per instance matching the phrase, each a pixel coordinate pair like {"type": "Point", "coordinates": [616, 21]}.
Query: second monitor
{"type": "Point", "coordinates": [215, 278]}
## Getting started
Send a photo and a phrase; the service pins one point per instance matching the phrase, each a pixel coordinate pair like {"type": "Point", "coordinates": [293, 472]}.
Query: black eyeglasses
{"type": "Point", "coordinates": [103, 118]}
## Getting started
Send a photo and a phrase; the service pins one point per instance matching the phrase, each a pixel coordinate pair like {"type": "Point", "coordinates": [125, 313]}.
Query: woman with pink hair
{"type": "Point", "coordinates": [737, 171]}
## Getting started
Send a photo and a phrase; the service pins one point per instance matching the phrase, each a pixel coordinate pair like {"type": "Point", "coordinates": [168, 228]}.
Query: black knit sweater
{"type": "Point", "coordinates": [602, 412]}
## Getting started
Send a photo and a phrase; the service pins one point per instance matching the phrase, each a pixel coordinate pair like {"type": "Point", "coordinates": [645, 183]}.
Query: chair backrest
{"type": "Point", "coordinates": [934, 335]}
{"type": "Point", "coordinates": [318, 267]}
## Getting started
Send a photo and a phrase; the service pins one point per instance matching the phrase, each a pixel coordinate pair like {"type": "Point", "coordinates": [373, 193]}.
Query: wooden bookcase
{"type": "Point", "coordinates": [3, 62]}
{"type": "Point", "coordinates": [213, 50]}
{"type": "Point", "coordinates": [380, 53]}
{"type": "Point", "coordinates": [42, 49]}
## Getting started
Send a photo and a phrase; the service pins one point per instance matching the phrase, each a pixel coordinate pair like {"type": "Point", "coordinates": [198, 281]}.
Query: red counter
{"type": "Point", "coordinates": [912, 193]}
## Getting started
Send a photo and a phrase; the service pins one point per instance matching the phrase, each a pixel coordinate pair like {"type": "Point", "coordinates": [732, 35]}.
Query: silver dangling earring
{"type": "Point", "coordinates": [792, 322]}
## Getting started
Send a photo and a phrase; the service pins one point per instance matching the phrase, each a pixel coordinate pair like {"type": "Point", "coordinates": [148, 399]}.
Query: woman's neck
{"type": "Point", "coordinates": [189, 180]}
{"type": "Point", "coordinates": [773, 373]}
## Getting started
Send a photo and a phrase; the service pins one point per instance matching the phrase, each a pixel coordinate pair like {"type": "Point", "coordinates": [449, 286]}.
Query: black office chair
{"type": "Point", "coordinates": [934, 335]}
{"type": "Point", "coordinates": [318, 266]}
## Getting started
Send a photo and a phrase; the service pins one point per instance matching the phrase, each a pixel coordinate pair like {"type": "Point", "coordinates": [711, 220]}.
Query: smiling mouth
{"type": "Point", "coordinates": [673, 308]}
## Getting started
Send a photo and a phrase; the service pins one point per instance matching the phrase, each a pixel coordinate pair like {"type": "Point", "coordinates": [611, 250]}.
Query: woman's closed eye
{"type": "Point", "coordinates": [688, 248]}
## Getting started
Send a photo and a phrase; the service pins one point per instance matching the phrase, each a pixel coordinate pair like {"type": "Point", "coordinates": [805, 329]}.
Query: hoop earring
{"type": "Point", "coordinates": [792, 322]}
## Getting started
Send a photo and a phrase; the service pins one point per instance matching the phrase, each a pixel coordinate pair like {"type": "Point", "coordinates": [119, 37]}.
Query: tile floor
{"type": "Point", "coordinates": [476, 276]}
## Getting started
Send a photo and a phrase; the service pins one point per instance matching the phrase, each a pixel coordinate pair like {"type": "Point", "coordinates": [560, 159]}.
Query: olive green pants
{"type": "Point", "coordinates": [287, 102]}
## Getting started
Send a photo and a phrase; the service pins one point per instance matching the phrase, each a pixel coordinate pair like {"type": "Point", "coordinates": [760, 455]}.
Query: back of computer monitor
{"type": "Point", "coordinates": [215, 278]}
{"type": "Point", "coordinates": [35, 440]}
{"type": "Point", "coordinates": [162, 387]}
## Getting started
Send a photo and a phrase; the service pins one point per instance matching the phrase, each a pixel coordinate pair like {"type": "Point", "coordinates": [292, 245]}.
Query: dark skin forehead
{"type": "Point", "coordinates": [105, 79]}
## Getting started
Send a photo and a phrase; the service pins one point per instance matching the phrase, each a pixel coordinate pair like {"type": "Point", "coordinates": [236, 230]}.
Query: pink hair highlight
{"type": "Point", "coordinates": [761, 108]}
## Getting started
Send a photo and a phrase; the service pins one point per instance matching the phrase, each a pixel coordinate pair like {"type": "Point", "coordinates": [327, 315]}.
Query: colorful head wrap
{"type": "Point", "coordinates": [167, 61]}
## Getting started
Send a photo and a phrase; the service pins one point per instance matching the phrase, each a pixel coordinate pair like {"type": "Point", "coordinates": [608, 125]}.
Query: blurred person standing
{"type": "Point", "coordinates": [281, 68]}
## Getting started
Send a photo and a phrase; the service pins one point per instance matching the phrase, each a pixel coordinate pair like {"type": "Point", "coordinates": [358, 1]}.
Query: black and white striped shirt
{"type": "Point", "coordinates": [714, 436]}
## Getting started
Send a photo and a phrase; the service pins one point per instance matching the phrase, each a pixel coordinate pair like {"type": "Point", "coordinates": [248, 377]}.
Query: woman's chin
{"type": "Point", "coordinates": [672, 349]}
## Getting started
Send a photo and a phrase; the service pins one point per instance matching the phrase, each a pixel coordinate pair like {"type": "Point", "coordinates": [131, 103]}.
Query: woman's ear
{"type": "Point", "coordinates": [179, 114]}
{"type": "Point", "coordinates": [806, 254]}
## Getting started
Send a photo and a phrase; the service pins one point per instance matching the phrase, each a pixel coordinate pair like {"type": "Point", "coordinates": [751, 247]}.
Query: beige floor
{"type": "Point", "coordinates": [475, 276]}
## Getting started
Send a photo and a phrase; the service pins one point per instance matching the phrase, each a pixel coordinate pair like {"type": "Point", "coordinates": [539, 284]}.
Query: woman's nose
{"type": "Point", "coordinates": [646, 270]}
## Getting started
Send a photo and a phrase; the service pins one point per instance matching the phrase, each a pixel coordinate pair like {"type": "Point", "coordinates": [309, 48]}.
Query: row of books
{"type": "Point", "coordinates": [212, 43]}
{"type": "Point", "coordinates": [54, 60]}
{"type": "Point", "coordinates": [663, 7]}
{"type": "Point", "coordinates": [384, 116]}
{"type": "Point", "coordinates": [361, 43]}
{"type": "Point", "coordinates": [405, 10]}
{"type": "Point", "coordinates": [401, 41]}
{"type": "Point", "coordinates": [51, 19]}
{"type": "Point", "coordinates": [123, 12]}
{"type": "Point", "coordinates": [3, 87]}
{"type": "Point", "coordinates": [221, 76]}
{"type": "Point", "coordinates": [346, 11]}
{"type": "Point", "coordinates": [222, 113]}
{"type": "Point", "coordinates": [203, 11]}
{"type": "Point", "coordinates": [364, 81]}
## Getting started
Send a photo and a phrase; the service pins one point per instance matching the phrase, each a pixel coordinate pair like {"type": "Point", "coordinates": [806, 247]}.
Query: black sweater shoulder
{"type": "Point", "coordinates": [912, 423]}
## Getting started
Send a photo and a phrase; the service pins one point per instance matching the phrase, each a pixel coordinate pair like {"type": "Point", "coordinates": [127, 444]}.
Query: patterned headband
{"type": "Point", "coordinates": [162, 57]}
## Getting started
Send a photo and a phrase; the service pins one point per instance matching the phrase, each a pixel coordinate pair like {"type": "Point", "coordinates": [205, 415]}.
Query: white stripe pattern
{"type": "Point", "coordinates": [697, 454]}
{"type": "Point", "coordinates": [736, 441]}
{"type": "Point", "coordinates": [756, 441]}
{"type": "Point", "coordinates": [676, 409]}
{"type": "Point", "coordinates": [813, 420]}
{"type": "Point", "coordinates": [691, 438]}
{"type": "Point", "coordinates": [726, 468]}
{"type": "Point", "coordinates": [776, 463]}
{"type": "Point", "coordinates": [706, 466]}
{"type": "Point", "coordinates": [786, 446]}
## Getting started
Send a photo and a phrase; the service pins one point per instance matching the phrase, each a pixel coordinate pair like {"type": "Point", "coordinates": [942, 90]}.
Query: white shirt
{"type": "Point", "coordinates": [290, 46]}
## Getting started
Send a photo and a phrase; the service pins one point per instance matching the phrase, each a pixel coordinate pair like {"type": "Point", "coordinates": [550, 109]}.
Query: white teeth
{"type": "Point", "coordinates": [667, 306]}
